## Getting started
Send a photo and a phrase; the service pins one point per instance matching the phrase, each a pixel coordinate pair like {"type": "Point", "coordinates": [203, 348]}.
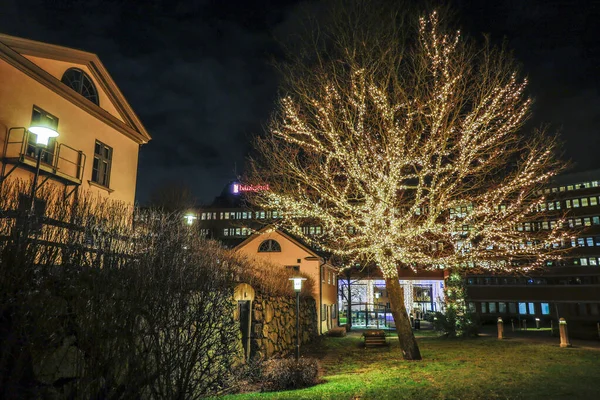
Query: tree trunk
{"type": "Point", "coordinates": [349, 313]}
{"type": "Point", "coordinates": [408, 343]}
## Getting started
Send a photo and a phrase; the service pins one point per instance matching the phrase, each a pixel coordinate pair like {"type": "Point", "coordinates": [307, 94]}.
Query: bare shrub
{"type": "Point", "coordinates": [288, 374]}
{"type": "Point", "coordinates": [143, 307]}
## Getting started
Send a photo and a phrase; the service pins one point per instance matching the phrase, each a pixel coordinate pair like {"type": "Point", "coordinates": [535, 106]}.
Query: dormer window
{"type": "Point", "coordinates": [269, 246]}
{"type": "Point", "coordinates": [80, 82]}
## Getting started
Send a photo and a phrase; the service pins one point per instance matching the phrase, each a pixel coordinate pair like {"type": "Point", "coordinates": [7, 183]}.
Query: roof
{"type": "Point", "coordinates": [576, 177]}
{"type": "Point", "coordinates": [13, 50]}
{"type": "Point", "coordinates": [269, 228]}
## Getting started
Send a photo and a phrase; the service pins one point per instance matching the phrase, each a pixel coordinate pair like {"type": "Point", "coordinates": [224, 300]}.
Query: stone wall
{"type": "Point", "coordinates": [273, 330]}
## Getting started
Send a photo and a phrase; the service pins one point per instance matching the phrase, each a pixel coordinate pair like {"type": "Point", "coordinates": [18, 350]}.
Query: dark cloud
{"type": "Point", "coordinates": [197, 72]}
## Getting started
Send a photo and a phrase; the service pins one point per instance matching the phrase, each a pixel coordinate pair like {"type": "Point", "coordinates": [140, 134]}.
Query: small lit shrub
{"type": "Point", "coordinates": [287, 374]}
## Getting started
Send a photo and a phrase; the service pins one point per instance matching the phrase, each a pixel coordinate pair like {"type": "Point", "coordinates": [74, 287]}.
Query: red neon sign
{"type": "Point", "coordinates": [237, 188]}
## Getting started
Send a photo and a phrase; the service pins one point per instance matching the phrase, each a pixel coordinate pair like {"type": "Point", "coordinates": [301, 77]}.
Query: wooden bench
{"type": "Point", "coordinates": [374, 338]}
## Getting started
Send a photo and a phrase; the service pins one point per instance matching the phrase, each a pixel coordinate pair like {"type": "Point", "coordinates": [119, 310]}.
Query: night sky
{"type": "Point", "coordinates": [198, 72]}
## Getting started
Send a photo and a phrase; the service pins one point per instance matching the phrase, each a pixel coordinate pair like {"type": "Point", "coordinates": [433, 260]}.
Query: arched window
{"type": "Point", "coordinates": [269, 246]}
{"type": "Point", "coordinates": [80, 82]}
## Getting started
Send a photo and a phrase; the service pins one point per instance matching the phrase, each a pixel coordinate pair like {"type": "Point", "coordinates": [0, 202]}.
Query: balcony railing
{"type": "Point", "coordinates": [58, 160]}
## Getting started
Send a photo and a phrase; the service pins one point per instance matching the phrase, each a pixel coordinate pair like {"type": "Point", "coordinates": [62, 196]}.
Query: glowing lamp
{"type": "Point", "coordinates": [297, 283]}
{"type": "Point", "coordinates": [43, 134]}
{"type": "Point", "coordinates": [190, 218]}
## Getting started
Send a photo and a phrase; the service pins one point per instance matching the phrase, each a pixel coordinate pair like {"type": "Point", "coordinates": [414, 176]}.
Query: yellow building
{"type": "Point", "coordinates": [281, 249]}
{"type": "Point", "coordinates": [71, 92]}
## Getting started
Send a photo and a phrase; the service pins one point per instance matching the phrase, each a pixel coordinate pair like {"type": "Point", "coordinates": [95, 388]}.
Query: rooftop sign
{"type": "Point", "coordinates": [238, 188]}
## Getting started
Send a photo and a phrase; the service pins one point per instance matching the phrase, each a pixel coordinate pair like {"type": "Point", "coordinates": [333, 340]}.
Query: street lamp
{"type": "Point", "coordinates": [297, 281]}
{"type": "Point", "coordinates": [43, 134]}
{"type": "Point", "coordinates": [189, 218]}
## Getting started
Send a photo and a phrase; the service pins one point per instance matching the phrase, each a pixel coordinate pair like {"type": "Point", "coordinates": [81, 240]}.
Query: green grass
{"type": "Point", "coordinates": [481, 368]}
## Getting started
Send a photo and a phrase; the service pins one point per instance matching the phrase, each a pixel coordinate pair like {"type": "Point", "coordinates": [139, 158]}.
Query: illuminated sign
{"type": "Point", "coordinates": [239, 188]}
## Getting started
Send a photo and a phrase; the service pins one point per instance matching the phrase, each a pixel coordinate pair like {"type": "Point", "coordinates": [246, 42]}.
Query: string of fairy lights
{"type": "Point", "coordinates": [383, 170]}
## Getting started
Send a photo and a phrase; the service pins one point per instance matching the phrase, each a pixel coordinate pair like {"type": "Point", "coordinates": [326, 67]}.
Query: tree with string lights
{"type": "Point", "coordinates": [408, 152]}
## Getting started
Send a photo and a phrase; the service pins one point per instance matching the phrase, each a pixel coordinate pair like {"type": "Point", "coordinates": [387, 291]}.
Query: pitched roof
{"type": "Point", "coordinates": [14, 49]}
{"type": "Point", "coordinates": [270, 228]}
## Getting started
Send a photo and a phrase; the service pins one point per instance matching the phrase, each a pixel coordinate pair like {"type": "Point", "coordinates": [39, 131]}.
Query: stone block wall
{"type": "Point", "coordinates": [273, 331]}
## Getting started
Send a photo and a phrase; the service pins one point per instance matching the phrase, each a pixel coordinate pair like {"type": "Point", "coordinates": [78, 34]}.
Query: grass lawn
{"type": "Point", "coordinates": [480, 368]}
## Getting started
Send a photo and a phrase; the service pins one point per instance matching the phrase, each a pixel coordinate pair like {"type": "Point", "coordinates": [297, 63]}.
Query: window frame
{"type": "Point", "coordinates": [105, 171]}
{"type": "Point", "coordinates": [92, 95]}
{"type": "Point", "coordinates": [266, 246]}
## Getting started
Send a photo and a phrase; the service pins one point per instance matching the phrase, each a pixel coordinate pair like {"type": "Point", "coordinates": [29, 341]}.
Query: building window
{"type": "Point", "coordinates": [523, 308]}
{"type": "Point", "coordinates": [502, 307]}
{"type": "Point", "coordinates": [40, 117]}
{"type": "Point", "coordinates": [102, 164]}
{"type": "Point", "coordinates": [545, 309]}
{"type": "Point", "coordinates": [295, 268]}
{"type": "Point", "coordinates": [80, 82]}
{"type": "Point", "coordinates": [269, 246]}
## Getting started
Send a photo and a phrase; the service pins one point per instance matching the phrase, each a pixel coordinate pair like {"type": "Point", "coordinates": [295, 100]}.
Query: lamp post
{"type": "Point", "coordinates": [190, 218]}
{"type": "Point", "coordinates": [297, 281]}
{"type": "Point", "coordinates": [377, 295]}
{"type": "Point", "coordinates": [43, 134]}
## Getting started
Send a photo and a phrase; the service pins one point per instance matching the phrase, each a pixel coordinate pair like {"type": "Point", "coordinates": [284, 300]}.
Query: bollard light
{"type": "Point", "coordinates": [564, 333]}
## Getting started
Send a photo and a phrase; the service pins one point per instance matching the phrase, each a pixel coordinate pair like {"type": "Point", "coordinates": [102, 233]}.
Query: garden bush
{"type": "Point", "coordinates": [288, 374]}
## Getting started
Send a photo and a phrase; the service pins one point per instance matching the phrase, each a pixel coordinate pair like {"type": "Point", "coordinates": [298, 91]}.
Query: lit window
{"type": "Point", "coordinates": [562, 188]}
{"type": "Point", "coordinates": [483, 308]}
{"type": "Point", "coordinates": [492, 307]}
{"type": "Point", "coordinates": [238, 231]}
{"type": "Point", "coordinates": [226, 215]}
{"type": "Point", "coordinates": [102, 164]}
{"type": "Point", "coordinates": [545, 225]}
{"type": "Point", "coordinates": [550, 206]}
{"type": "Point", "coordinates": [587, 221]}
{"type": "Point", "coordinates": [531, 308]}
{"type": "Point", "coordinates": [568, 203]}
{"type": "Point", "coordinates": [593, 201]}
{"type": "Point", "coordinates": [589, 241]}
{"type": "Point", "coordinates": [596, 220]}
{"type": "Point", "coordinates": [80, 82]}
{"type": "Point", "coordinates": [269, 246]}
{"type": "Point", "coordinates": [575, 203]}
{"type": "Point", "coordinates": [593, 261]}
{"type": "Point", "coordinates": [502, 307]}
{"type": "Point", "coordinates": [545, 308]}
{"type": "Point", "coordinates": [225, 232]}
{"type": "Point", "coordinates": [570, 187]}
{"type": "Point", "coordinates": [558, 205]}
{"type": "Point", "coordinates": [523, 308]}
{"type": "Point", "coordinates": [584, 261]}
{"type": "Point", "coordinates": [584, 202]}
